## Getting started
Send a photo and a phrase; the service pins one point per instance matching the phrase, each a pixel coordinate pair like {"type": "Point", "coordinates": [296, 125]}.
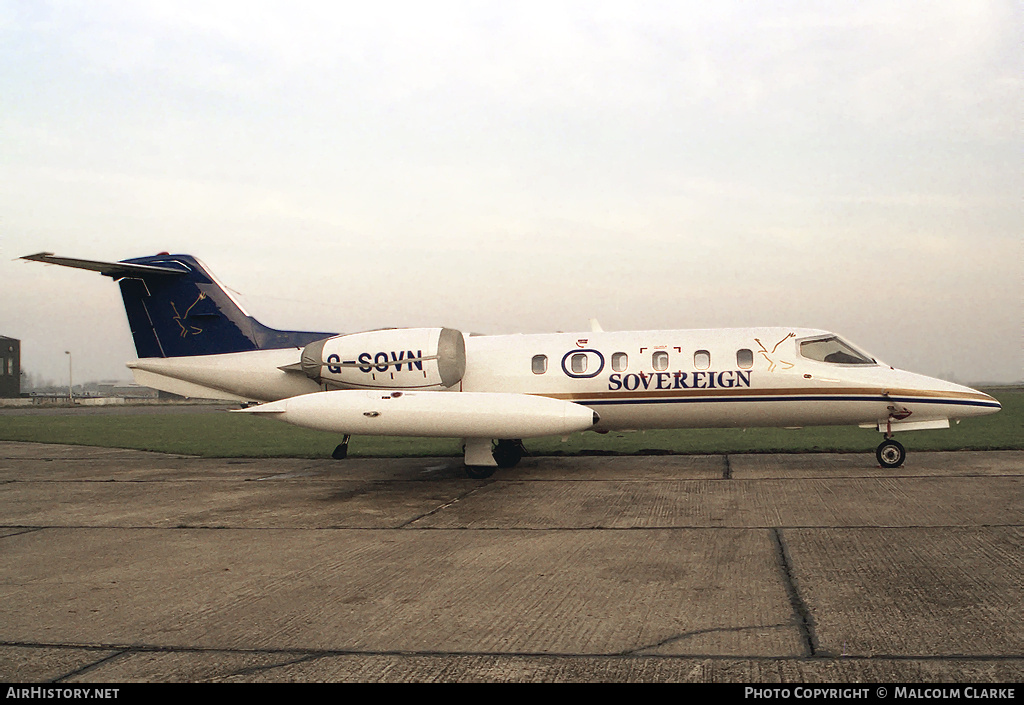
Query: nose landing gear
{"type": "Point", "coordinates": [890, 453]}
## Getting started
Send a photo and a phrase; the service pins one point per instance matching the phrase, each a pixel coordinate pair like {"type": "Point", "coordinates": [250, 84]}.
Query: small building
{"type": "Point", "coordinates": [10, 368]}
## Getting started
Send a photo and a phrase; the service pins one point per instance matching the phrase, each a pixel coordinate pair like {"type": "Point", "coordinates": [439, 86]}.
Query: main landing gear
{"type": "Point", "coordinates": [341, 452]}
{"type": "Point", "coordinates": [890, 453]}
{"type": "Point", "coordinates": [506, 453]}
{"type": "Point", "coordinates": [476, 472]}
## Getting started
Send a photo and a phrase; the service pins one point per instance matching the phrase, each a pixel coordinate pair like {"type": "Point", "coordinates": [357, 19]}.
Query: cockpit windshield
{"type": "Point", "coordinates": [834, 350]}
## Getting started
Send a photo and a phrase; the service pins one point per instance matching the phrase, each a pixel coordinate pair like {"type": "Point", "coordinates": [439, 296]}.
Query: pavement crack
{"type": "Point", "coordinates": [801, 613]}
{"type": "Point", "coordinates": [90, 666]}
{"type": "Point", "coordinates": [26, 530]}
{"type": "Point", "coordinates": [442, 507]}
{"type": "Point", "coordinates": [643, 650]}
{"type": "Point", "coordinates": [263, 668]}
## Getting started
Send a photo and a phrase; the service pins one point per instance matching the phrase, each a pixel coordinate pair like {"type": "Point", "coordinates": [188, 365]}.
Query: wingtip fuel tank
{"type": "Point", "coordinates": [431, 413]}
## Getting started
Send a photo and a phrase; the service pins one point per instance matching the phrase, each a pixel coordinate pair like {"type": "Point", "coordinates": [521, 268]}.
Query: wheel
{"type": "Point", "coordinates": [890, 454]}
{"type": "Point", "coordinates": [479, 473]}
{"type": "Point", "coordinates": [508, 453]}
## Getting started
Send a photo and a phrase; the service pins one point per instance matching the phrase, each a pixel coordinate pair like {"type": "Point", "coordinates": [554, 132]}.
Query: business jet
{"type": "Point", "coordinates": [194, 339]}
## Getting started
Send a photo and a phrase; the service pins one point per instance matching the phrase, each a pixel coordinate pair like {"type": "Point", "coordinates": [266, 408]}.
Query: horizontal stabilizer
{"type": "Point", "coordinates": [110, 269]}
{"type": "Point", "coordinates": [176, 308]}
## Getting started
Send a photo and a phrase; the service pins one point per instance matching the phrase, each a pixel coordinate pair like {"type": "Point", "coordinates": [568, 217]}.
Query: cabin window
{"type": "Point", "coordinates": [578, 363]}
{"type": "Point", "coordinates": [834, 350]}
{"type": "Point", "coordinates": [619, 362]}
{"type": "Point", "coordinates": [702, 359]}
{"type": "Point", "coordinates": [660, 360]}
{"type": "Point", "coordinates": [744, 359]}
{"type": "Point", "coordinates": [540, 364]}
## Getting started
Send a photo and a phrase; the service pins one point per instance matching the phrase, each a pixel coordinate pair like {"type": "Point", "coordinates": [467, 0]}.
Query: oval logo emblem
{"type": "Point", "coordinates": [582, 364]}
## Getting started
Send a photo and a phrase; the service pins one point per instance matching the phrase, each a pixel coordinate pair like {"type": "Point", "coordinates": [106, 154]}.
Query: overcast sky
{"type": "Point", "coordinates": [523, 167]}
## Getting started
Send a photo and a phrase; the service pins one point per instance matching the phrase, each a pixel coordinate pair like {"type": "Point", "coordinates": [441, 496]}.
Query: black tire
{"type": "Point", "coordinates": [890, 454]}
{"type": "Point", "coordinates": [508, 453]}
{"type": "Point", "coordinates": [341, 452]}
{"type": "Point", "coordinates": [477, 472]}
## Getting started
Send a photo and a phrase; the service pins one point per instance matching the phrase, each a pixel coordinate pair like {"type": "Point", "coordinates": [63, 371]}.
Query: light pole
{"type": "Point", "coordinates": [71, 393]}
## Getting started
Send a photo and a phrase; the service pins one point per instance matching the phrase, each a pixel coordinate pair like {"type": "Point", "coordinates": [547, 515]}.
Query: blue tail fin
{"type": "Point", "coordinates": [176, 308]}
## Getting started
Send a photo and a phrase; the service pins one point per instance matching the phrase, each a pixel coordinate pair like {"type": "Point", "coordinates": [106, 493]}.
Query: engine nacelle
{"type": "Point", "coordinates": [400, 358]}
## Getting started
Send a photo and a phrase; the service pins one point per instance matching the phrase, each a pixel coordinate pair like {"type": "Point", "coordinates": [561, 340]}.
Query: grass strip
{"type": "Point", "coordinates": [216, 433]}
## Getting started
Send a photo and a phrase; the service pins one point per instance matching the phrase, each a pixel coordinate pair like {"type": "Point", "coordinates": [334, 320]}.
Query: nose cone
{"type": "Point", "coordinates": [974, 403]}
{"type": "Point", "coordinates": [955, 400]}
{"type": "Point", "coordinates": [992, 405]}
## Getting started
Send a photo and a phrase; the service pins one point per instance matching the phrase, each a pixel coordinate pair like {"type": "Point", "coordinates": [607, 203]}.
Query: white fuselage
{"type": "Point", "coordinates": [697, 380]}
{"type": "Point", "coordinates": [741, 377]}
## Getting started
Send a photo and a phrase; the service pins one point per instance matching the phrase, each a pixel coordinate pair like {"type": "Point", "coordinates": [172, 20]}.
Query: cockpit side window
{"type": "Point", "coordinates": [834, 350]}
